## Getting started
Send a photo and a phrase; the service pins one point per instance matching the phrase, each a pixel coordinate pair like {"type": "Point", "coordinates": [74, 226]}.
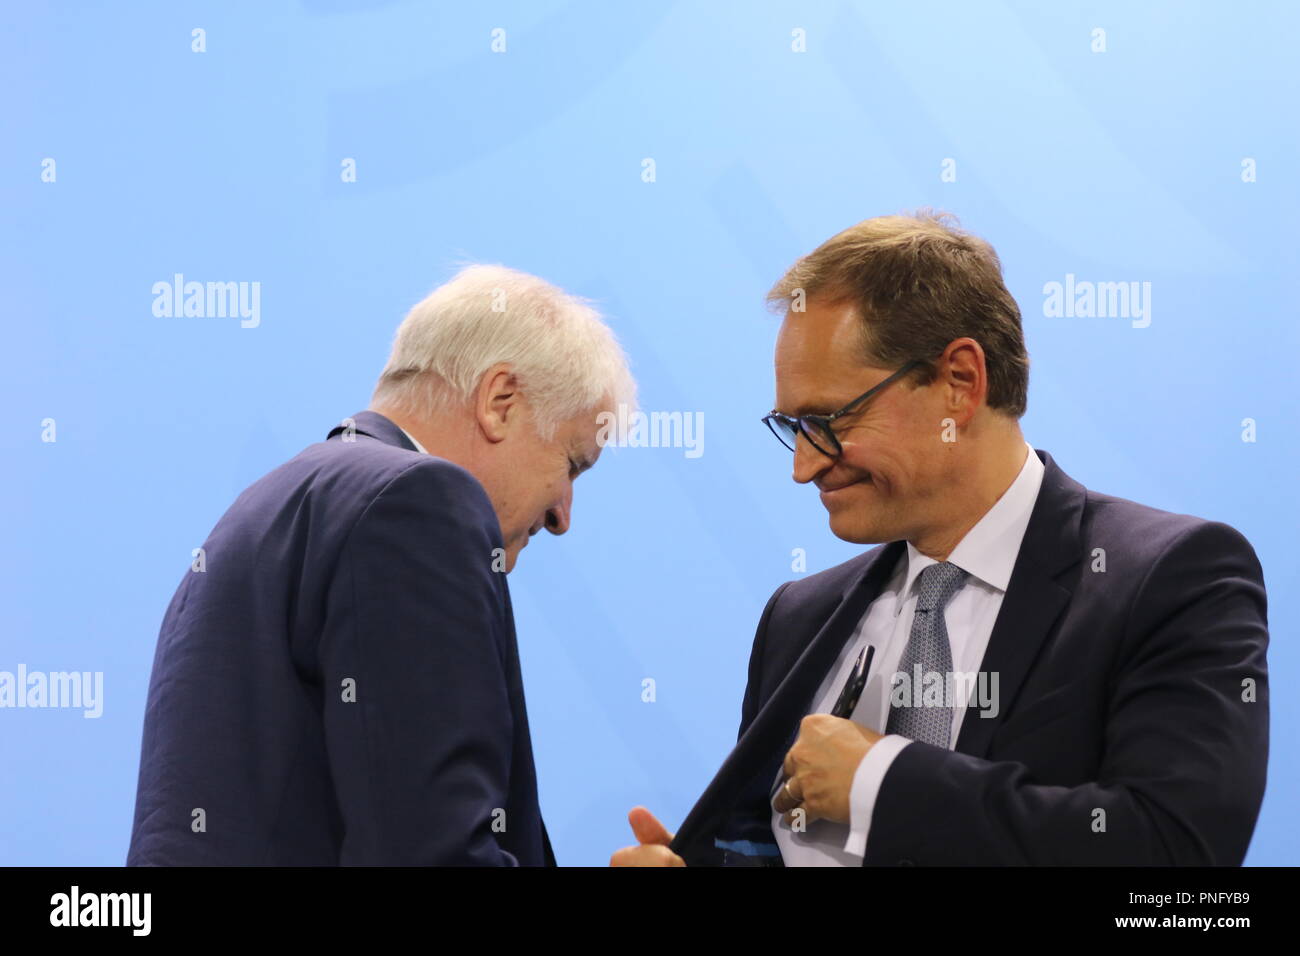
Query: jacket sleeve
{"type": "Point", "coordinates": [750, 821]}
{"type": "Point", "coordinates": [417, 714]}
{"type": "Point", "coordinates": [1185, 744]}
{"type": "Point", "coordinates": [696, 840]}
{"type": "Point", "coordinates": [754, 683]}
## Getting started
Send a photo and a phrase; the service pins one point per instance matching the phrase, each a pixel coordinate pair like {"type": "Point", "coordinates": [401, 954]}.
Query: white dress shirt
{"type": "Point", "coordinates": [988, 553]}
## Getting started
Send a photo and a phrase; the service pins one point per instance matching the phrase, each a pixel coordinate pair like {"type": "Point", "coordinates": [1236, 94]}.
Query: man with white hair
{"type": "Point", "coordinates": [337, 680]}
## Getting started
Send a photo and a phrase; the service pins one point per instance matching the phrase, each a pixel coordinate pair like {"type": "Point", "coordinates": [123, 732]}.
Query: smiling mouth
{"type": "Point", "coordinates": [868, 480]}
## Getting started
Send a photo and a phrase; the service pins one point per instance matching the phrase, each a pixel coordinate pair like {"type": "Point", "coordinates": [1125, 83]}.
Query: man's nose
{"type": "Point", "coordinates": [557, 516]}
{"type": "Point", "coordinates": [808, 461]}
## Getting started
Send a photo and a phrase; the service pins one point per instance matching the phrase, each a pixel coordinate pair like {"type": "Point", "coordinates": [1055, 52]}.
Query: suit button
{"type": "Point", "coordinates": [906, 862]}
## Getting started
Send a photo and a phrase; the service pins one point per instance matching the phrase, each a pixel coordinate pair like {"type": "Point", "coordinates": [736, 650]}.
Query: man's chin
{"type": "Point", "coordinates": [851, 527]}
{"type": "Point", "coordinates": [512, 556]}
{"type": "Point", "coordinates": [857, 535]}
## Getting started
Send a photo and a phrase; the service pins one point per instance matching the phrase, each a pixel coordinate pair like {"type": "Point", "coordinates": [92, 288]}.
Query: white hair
{"type": "Point", "coordinates": [565, 357]}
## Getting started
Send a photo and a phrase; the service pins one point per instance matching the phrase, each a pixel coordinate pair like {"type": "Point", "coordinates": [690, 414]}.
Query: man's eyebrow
{"type": "Point", "coordinates": [813, 408]}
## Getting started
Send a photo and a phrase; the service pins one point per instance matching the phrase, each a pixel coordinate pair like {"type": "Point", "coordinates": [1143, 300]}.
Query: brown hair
{"type": "Point", "coordinates": [919, 283]}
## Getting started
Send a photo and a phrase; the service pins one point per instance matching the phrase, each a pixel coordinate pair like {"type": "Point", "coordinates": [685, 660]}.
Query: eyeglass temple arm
{"type": "Point", "coordinates": [867, 394]}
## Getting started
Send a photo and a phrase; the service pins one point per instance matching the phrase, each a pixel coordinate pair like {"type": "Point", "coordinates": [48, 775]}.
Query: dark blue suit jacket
{"type": "Point", "coordinates": [340, 684]}
{"type": "Point", "coordinates": [1126, 691]}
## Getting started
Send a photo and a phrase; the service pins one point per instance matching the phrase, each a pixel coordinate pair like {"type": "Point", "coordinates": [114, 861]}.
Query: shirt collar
{"type": "Point", "coordinates": [411, 438]}
{"type": "Point", "coordinates": [988, 551]}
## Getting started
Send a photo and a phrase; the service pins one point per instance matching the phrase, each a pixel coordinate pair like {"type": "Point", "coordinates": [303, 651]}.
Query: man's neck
{"type": "Point", "coordinates": [975, 498]}
{"type": "Point", "coordinates": [430, 439]}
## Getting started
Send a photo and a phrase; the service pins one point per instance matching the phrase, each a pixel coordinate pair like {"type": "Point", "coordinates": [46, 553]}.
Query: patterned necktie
{"type": "Point", "coordinates": [928, 646]}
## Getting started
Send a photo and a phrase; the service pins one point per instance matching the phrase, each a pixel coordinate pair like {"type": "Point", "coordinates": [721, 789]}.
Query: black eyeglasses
{"type": "Point", "coordinates": [817, 428]}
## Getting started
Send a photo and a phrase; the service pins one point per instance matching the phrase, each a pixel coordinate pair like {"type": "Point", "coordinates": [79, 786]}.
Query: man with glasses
{"type": "Point", "coordinates": [1055, 676]}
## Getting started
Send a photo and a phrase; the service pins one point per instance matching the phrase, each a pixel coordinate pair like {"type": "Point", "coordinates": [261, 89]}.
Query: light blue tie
{"type": "Point", "coordinates": [928, 646]}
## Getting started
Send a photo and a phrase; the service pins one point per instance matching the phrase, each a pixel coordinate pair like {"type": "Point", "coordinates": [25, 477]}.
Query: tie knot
{"type": "Point", "coordinates": [939, 582]}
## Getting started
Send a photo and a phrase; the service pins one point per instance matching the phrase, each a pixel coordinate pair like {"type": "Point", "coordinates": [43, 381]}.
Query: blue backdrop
{"type": "Point", "coordinates": [1105, 142]}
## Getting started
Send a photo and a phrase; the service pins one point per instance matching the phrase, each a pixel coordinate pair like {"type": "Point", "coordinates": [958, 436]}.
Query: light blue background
{"type": "Point", "coordinates": [225, 165]}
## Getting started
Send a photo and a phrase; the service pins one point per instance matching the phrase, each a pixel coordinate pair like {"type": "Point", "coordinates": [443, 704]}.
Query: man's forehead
{"type": "Point", "coordinates": [820, 368]}
{"type": "Point", "coordinates": [822, 326]}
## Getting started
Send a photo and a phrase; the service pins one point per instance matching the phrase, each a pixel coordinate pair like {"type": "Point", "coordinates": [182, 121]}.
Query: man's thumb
{"type": "Point", "coordinates": [646, 828]}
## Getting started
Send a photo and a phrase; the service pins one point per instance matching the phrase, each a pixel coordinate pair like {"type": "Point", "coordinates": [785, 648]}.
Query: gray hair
{"type": "Point", "coordinates": [565, 357]}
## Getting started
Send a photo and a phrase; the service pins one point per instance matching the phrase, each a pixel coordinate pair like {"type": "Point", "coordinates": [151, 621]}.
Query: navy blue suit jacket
{"type": "Point", "coordinates": [1127, 731]}
{"type": "Point", "coordinates": [340, 682]}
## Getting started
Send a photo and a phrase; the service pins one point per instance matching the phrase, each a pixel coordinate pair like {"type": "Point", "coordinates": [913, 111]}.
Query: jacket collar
{"type": "Point", "coordinates": [372, 425]}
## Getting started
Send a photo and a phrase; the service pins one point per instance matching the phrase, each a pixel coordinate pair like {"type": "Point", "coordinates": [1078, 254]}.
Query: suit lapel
{"type": "Point", "coordinates": [763, 745]}
{"type": "Point", "coordinates": [1033, 602]}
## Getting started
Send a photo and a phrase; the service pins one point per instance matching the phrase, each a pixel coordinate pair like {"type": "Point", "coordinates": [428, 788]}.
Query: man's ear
{"type": "Point", "coordinates": [498, 404]}
{"type": "Point", "coordinates": [967, 378]}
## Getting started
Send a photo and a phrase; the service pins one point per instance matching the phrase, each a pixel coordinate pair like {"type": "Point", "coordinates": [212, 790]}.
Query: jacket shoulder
{"type": "Point", "coordinates": [428, 486]}
{"type": "Point", "coordinates": [419, 483]}
{"type": "Point", "coordinates": [1151, 531]}
{"type": "Point", "coordinates": [339, 481]}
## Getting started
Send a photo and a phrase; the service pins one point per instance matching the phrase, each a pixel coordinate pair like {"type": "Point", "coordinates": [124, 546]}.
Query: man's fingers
{"type": "Point", "coordinates": [647, 829]}
{"type": "Point", "coordinates": [646, 855]}
{"type": "Point", "coordinates": [788, 796]}
{"type": "Point", "coordinates": [782, 803]}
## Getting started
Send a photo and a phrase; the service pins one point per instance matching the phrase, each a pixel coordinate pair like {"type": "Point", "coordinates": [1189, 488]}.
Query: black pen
{"type": "Point", "coordinates": [852, 691]}
{"type": "Point", "coordinates": [849, 696]}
